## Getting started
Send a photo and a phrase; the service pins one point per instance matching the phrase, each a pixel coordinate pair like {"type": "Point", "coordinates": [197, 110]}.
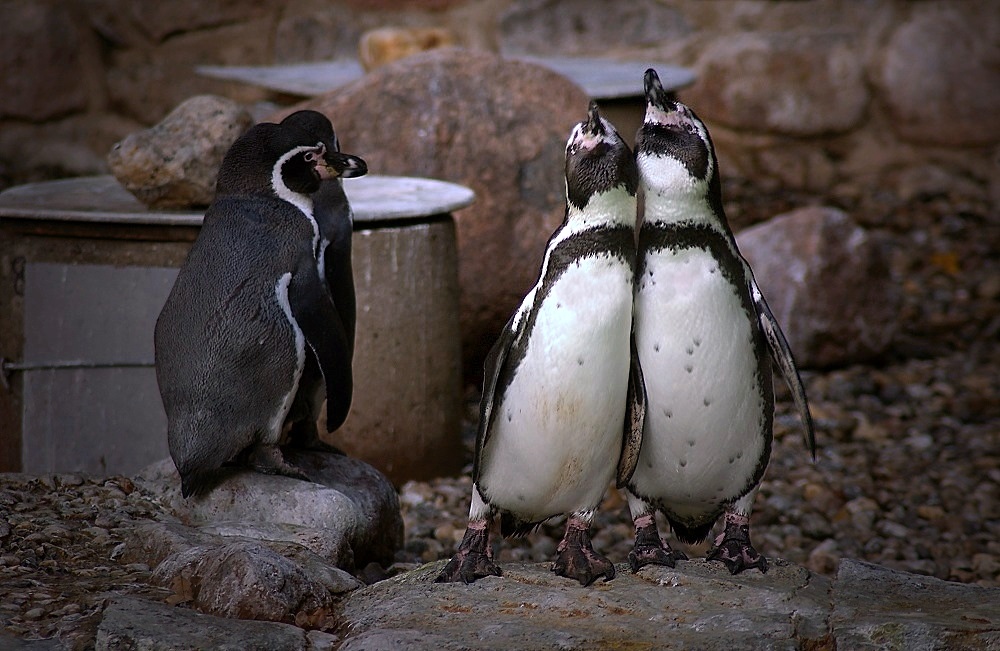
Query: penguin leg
{"type": "Point", "coordinates": [474, 557]}
{"type": "Point", "coordinates": [733, 546]}
{"type": "Point", "coordinates": [268, 460]}
{"type": "Point", "coordinates": [576, 558]}
{"type": "Point", "coordinates": [304, 435]}
{"type": "Point", "coordinates": [649, 548]}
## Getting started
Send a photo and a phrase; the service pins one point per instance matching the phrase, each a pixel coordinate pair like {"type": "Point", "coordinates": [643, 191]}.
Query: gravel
{"type": "Point", "coordinates": [907, 475]}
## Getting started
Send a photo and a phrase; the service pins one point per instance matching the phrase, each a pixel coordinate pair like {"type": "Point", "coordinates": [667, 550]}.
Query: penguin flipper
{"type": "Point", "coordinates": [492, 368]}
{"type": "Point", "coordinates": [324, 332]}
{"type": "Point", "coordinates": [635, 416]}
{"type": "Point", "coordinates": [781, 353]}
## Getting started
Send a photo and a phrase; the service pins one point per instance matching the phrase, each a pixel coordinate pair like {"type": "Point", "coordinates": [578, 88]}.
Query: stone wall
{"type": "Point", "coordinates": [813, 94]}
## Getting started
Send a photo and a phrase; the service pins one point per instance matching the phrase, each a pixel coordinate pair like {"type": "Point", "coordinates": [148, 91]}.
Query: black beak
{"type": "Point", "coordinates": [594, 125]}
{"type": "Point", "coordinates": [346, 165]}
{"type": "Point", "coordinates": [655, 94]}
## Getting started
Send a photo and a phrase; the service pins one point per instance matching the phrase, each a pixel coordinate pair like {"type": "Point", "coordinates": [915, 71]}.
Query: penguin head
{"type": "Point", "coordinates": [272, 159]}
{"type": "Point", "coordinates": [317, 124]}
{"type": "Point", "coordinates": [673, 149]}
{"type": "Point", "coordinates": [597, 161]}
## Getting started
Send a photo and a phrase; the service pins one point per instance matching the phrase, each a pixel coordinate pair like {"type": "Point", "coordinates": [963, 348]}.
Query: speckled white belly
{"type": "Point", "coordinates": [703, 433]}
{"type": "Point", "coordinates": [557, 431]}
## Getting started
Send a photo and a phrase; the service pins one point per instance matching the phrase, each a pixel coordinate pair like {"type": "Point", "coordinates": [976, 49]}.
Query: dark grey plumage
{"type": "Point", "coordinates": [230, 341]}
{"type": "Point", "coordinates": [333, 215]}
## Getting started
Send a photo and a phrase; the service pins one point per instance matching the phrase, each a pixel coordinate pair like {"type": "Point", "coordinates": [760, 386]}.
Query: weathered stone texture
{"type": "Point", "coordinates": [496, 126]}
{"type": "Point", "coordinates": [42, 76]}
{"type": "Point", "coordinates": [798, 85]}
{"type": "Point", "coordinates": [587, 27]}
{"type": "Point", "coordinates": [939, 75]}
{"type": "Point", "coordinates": [175, 163]}
{"type": "Point", "coordinates": [827, 282]}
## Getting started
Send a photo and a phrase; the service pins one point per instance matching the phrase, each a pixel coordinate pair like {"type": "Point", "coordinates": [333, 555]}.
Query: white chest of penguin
{"type": "Point", "coordinates": [560, 419]}
{"type": "Point", "coordinates": [703, 435]}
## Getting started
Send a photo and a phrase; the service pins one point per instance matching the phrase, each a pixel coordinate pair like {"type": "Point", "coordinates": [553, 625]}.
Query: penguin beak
{"type": "Point", "coordinates": [343, 165]}
{"type": "Point", "coordinates": [655, 95]}
{"type": "Point", "coordinates": [594, 126]}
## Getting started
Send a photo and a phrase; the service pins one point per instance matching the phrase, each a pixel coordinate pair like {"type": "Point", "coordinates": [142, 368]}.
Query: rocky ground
{"type": "Point", "coordinates": [907, 474]}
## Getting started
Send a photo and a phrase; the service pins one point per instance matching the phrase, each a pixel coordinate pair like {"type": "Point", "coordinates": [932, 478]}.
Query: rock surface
{"type": "Point", "coordinates": [350, 516]}
{"type": "Point", "coordinates": [141, 625]}
{"type": "Point", "coordinates": [697, 605]}
{"type": "Point", "coordinates": [175, 163]}
{"type": "Point", "coordinates": [496, 126]}
{"type": "Point", "coordinates": [827, 282]}
{"type": "Point", "coordinates": [774, 82]}
{"type": "Point", "coordinates": [937, 77]}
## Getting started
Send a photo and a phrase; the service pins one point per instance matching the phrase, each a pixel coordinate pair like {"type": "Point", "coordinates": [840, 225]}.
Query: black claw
{"type": "Point", "coordinates": [650, 549]}
{"type": "Point", "coordinates": [735, 550]}
{"type": "Point", "coordinates": [472, 559]}
{"type": "Point", "coordinates": [577, 559]}
{"type": "Point", "coordinates": [267, 459]}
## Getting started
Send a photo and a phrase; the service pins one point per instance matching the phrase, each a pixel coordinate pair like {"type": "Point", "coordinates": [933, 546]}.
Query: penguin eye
{"type": "Point", "coordinates": [310, 156]}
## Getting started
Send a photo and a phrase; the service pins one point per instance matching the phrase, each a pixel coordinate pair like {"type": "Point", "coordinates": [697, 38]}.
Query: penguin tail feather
{"type": "Point", "coordinates": [688, 534]}
{"type": "Point", "coordinates": [512, 526]}
{"type": "Point", "coordinates": [197, 483]}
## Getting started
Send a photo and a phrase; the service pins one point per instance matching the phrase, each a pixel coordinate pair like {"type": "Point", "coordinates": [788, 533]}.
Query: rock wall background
{"type": "Point", "coordinates": [813, 94]}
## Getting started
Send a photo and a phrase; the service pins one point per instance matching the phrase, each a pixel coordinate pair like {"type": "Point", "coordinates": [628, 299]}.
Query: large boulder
{"type": "Point", "coordinates": [827, 282]}
{"type": "Point", "coordinates": [939, 78]}
{"type": "Point", "coordinates": [350, 516]}
{"type": "Point", "coordinates": [782, 83]}
{"type": "Point", "coordinates": [174, 164]}
{"type": "Point", "coordinates": [496, 126]}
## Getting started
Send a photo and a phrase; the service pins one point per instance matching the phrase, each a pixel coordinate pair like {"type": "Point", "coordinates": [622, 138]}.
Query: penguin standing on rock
{"type": "Point", "coordinates": [335, 220]}
{"type": "Point", "coordinates": [705, 339]}
{"type": "Point", "coordinates": [562, 399]}
{"type": "Point", "coordinates": [231, 340]}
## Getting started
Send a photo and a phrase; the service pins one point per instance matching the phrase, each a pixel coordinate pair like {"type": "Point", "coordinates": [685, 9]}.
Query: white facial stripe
{"type": "Point", "coordinates": [301, 201]}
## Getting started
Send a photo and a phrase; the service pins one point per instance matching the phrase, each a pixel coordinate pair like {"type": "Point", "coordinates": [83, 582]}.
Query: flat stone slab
{"type": "Point", "coordinates": [599, 78]}
{"type": "Point", "coordinates": [142, 625]}
{"type": "Point", "coordinates": [697, 605]}
{"type": "Point", "coordinates": [373, 198]}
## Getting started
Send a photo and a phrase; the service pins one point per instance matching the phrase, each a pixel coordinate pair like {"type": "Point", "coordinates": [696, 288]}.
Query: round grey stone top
{"type": "Point", "coordinates": [600, 78]}
{"type": "Point", "coordinates": [102, 199]}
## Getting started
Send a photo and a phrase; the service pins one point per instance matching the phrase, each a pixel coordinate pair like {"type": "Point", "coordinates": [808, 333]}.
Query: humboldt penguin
{"type": "Point", "coordinates": [561, 410]}
{"type": "Point", "coordinates": [231, 340]}
{"type": "Point", "coordinates": [333, 214]}
{"type": "Point", "coordinates": [706, 339]}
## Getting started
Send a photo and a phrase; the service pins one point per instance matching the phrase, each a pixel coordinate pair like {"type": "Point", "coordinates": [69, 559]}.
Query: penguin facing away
{"type": "Point", "coordinates": [333, 215]}
{"type": "Point", "coordinates": [231, 339]}
{"type": "Point", "coordinates": [562, 399]}
{"type": "Point", "coordinates": [705, 339]}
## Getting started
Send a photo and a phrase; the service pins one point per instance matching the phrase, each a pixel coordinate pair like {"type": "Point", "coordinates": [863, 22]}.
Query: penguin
{"type": "Point", "coordinates": [560, 415]}
{"type": "Point", "coordinates": [705, 339]}
{"type": "Point", "coordinates": [333, 214]}
{"type": "Point", "coordinates": [230, 342]}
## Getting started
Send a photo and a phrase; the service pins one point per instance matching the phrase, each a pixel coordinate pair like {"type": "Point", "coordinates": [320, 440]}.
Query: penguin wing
{"type": "Point", "coordinates": [781, 353]}
{"type": "Point", "coordinates": [493, 366]}
{"type": "Point", "coordinates": [325, 334]}
{"type": "Point", "coordinates": [635, 416]}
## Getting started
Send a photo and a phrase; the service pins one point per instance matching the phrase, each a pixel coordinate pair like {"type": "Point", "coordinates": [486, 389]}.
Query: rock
{"type": "Point", "coordinates": [873, 605]}
{"type": "Point", "coordinates": [175, 163]}
{"type": "Point", "coordinates": [140, 625]}
{"type": "Point", "coordinates": [698, 605]}
{"type": "Point", "coordinates": [938, 76]}
{"type": "Point", "coordinates": [792, 84]}
{"type": "Point", "coordinates": [351, 517]}
{"type": "Point", "coordinates": [827, 282]}
{"type": "Point", "coordinates": [384, 45]}
{"type": "Point", "coordinates": [41, 40]}
{"type": "Point", "coordinates": [496, 126]}
{"type": "Point", "coordinates": [248, 580]}
{"type": "Point", "coordinates": [563, 27]}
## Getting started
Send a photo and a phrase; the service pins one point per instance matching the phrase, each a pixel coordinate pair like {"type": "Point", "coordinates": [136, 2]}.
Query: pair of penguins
{"type": "Point", "coordinates": [645, 361]}
{"type": "Point", "coordinates": [262, 313]}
